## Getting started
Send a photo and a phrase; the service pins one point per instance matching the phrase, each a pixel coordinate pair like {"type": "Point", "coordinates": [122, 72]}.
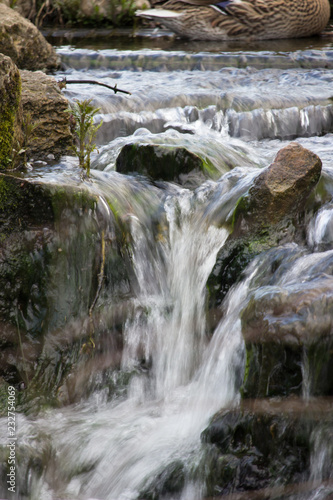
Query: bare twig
{"type": "Point", "coordinates": [62, 84]}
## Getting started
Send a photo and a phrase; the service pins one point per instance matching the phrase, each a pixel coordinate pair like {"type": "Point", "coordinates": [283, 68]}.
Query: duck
{"type": "Point", "coordinates": [240, 19]}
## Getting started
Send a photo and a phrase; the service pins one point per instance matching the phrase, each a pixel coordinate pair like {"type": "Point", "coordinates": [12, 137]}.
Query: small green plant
{"type": "Point", "coordinates": [85, 131]}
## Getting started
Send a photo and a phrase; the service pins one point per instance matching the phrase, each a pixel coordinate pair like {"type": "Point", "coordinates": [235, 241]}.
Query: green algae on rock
{"type": "Point", "coordinates": [164, 163]}
{"type": "Point", "coordinates": [10, 92]}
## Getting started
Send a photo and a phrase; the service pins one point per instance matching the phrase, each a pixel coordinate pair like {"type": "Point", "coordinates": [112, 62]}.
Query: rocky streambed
{"type": "Point", "coordinates": [167, 322]}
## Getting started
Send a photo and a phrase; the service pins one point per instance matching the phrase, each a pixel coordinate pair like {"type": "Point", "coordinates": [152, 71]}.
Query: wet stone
{"type": "Point", "coordinates": [44, 305]}
{"type": "Point", "coordinates": [263, 444]}
{"type": "Point", "coordinates": [289, 341]}
{"type": "Point", "coordinates": [170, 481]}
{"type": "Point", "coordinates": [160, 163]}
{"type": "Point", "coordinates": [269, 214]}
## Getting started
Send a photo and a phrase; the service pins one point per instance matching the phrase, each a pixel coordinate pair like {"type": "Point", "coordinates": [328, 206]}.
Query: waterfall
{"type": "Point", "coordinates": [181, 372]}
{"type": "Point", "coordinates": [174, 332]}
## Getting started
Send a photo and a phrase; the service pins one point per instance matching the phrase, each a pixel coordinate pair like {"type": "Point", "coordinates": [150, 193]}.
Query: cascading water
{"type": "Point", "coordinates": [144, 441]}
{"type": "Point", "coordinates": [115, 449]}
{"type": "Point", "coordinates": [167, 404]}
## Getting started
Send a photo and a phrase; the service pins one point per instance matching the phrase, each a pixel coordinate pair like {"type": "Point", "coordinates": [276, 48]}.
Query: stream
{"type": "Point", "coordinates": [236, 106]}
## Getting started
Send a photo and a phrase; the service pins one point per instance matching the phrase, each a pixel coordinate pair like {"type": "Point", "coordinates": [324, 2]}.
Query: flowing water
{"type": "Point", "coordinates": [237, 107]}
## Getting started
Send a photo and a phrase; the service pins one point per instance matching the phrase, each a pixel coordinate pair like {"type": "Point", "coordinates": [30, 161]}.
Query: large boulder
{"type": "Point", "coordinates": [31, 99]}
{"type": "Point", "coordinates": [279, 191]}
{"type": "Point", "coordinates": [269, 214]}
{"type": "Point", "coordinates": [46, 105]}
{"type": "Point", "coordinates": [10, 92]}
{"type": "Point", "coordinates": [23, 42]}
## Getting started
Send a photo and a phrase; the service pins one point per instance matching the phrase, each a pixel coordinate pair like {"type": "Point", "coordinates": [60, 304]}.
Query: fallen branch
{"type": "Point", "coordinates": [62, 84]}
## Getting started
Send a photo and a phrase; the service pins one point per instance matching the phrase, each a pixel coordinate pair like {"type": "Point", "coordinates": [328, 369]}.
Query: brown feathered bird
{"type": "Point", "coordinates": [241, 19]}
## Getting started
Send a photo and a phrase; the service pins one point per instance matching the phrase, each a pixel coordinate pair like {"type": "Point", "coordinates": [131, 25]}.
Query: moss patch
{"type": "Point", "coordinates": [10, 92]}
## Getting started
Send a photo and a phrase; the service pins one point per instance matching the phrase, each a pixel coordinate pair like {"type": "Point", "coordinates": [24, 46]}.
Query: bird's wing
{"type": "Point", "coordinates": [158, 13]}
{"type": "Point", "coordinates": [227, 6]}
{"type": "Point", "coordinates": [238, 18]}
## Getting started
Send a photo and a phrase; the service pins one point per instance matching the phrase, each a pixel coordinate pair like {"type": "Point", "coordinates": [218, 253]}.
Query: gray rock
{"type": "Point", "coordinates": [43, 100]}
{"type": "Point", "coordinates": [269, 214]}
{"type": "Point", "coordinates": [23, 42]}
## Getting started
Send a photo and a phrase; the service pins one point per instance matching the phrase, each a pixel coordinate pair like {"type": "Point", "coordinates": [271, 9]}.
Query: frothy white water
{"type": "Point", "coordinates": [322, 456]}
{"type": "Point", "coordinates": [321, 472]}
{"type": "Point", "coordinates": [321, 228]}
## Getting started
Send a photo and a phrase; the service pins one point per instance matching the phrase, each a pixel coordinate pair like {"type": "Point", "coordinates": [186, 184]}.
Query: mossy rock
{"type": "Point", "coordinates": [47, 109]}
{"type": "Point", "coordinates": [162, 163]}
{"type": "Point", "coordinates": [237, 253]}
{"type": "Point", "coordinates": [48, 234]}
{"type": "Point", "coordinates": [10, 92]}
{"type": "Point", "coordinates": [269, 214]}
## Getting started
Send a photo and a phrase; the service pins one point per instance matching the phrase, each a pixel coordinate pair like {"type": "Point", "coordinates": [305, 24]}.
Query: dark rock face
{"type": "Point", "coordinates": [161, 163]}
{"type": "Point", "coordinates": [264, 445]}
{"type": "Point", "coordinates": [23, 42]}
{"type": "Point", "coordinates": [268, 215]}
{"type": "Point", "coordinates": [45, 232]}
{"type": "Point", "coordinates": [170, 481]}
{"type": "Point", "coordinates": [29, 249]}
